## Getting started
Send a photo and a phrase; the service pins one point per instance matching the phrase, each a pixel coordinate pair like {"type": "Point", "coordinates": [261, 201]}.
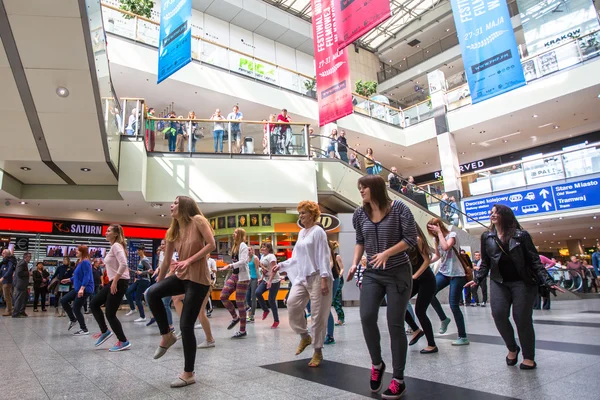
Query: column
{"type": "Point", "coordinates": [575, 247]}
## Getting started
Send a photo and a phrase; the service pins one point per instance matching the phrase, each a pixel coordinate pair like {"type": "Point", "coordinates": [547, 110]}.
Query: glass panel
{"type": "Point", "coordinates": [589, 46]}
{"type": "Point", "coordinates": [215, 55]}
{"type": "Point", "coordinates": [291, 81]}
{"type": "Point", "coordinates": [543, 170]}
{"type": "Point", "coordinates": [582, 162]}
{"type": "Point", "coordinates": [507, 177]}
{"type": "Point", "coordinates": [148, 32]}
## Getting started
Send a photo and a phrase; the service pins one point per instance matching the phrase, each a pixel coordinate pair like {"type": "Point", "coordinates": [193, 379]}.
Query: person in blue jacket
{"type": "Point", "coordinates": [596, 261]}
{"type": "Point", "coordinates": [83, 287]}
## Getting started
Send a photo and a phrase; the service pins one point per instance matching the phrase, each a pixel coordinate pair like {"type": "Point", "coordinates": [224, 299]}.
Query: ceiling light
{"type": "Point", "coordinates": [23, 203]}
{"type": "Point", "coordinates": [99, 209]}
{"type": "Point", "coordinates": [426, 163]}
{"type": "Point", "coordinates": [535, 116]}
{"type": "Point", "coordinates": [545, 125]}
{"type": "Point", "coordinates": [538, 223]}
{"type": "Point", "coordinates": [26, 168]}
{"type": "Point", "coordinates": [473, 143]}
{"type": "Point", "coordinates": [62, 91]}
{"type": "Point", "coordinates": [591, 227]}
{"type": "Point", "coordinates": [556, 126]}
{"type": "Point", "coordinates": [595, 217]}
{"type": "Point", "coordinates": [448, 30]}
{"type": "Point", "coordinates": [463, 153]}
{"type": "Point", "coordinates": [85, 169]}
{"type": "Point", "coordinates": [570, 236]}
{"type": "Point", "coordinates": [554, 234]}
{"type": "Point", "coordinates": [560, 217]}
{"type": "Point", "coordinates": [584, 238]}
{"type": "Point", "coordinates": [541, 233]}
{"type": "Point", "coordinates": [505, 141]}
{"type": "Point", "coordinates": [390, 60]}
{"type": "Point", "coordinates": [599, 96]}
{"type": "Point", "coordinates": [162, 215]}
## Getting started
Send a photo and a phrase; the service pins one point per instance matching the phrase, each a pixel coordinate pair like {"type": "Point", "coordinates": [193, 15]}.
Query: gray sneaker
{"type": "Point", "coordinates": [206, 345]}
{"type": "Point", "coordinates": [461, 341]}
{"type": "Point", "coordinates": [444, 326]}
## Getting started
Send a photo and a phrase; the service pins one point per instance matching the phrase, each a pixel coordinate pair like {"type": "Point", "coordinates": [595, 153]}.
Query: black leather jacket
{"type": "Point", "coordinates": [523, 254]}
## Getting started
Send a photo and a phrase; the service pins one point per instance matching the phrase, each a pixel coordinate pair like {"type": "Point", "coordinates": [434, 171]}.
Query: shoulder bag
{"type": "Point", "coordinates": [465, 265]}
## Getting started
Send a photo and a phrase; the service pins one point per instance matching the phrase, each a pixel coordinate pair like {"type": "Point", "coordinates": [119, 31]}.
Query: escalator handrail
{"type": "Point", "coordinates": [402, 179]}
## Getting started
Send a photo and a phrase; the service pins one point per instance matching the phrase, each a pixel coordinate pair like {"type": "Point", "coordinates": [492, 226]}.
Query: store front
{"type": "Point", "coordinates": [279, 229]}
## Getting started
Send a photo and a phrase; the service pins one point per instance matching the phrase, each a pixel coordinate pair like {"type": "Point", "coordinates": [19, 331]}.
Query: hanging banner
{"type": "Point", "coordinates": [550, 23]}
{"type": "Point", "coordinates": [488, 46]}
{"type": "Point", "coordinates": [334, 92]}
{"type": "Point", "coordinates": [175, 39]}
{"type": "Point", "coordinates": [354, 18]}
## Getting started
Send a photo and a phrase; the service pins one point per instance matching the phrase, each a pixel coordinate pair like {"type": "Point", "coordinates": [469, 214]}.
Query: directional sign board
{"type": "Point", "coordinates": [564, 196]}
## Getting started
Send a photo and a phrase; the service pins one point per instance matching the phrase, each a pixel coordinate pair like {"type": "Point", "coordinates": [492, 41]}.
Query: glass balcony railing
{"type": "Point", "coordinates": [533, 171]}
{"type": "Point", "coordinates": [559, 58]}
{"type": "Point", "coordinates": [391, 115]}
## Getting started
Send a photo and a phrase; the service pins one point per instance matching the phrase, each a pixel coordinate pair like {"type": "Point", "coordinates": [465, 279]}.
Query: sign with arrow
{"type": "Point", "coordinates": [541, 200]}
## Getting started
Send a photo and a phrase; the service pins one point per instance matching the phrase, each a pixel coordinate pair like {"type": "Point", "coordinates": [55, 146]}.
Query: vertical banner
{"type": "Point", "coordinates": [355, 18]}
{"type": "Point", "coordinates": [488, 46]}
{"type": "Point", "coordinates": [175, 39]}
{"type": "Point", "coordinates": [334, 92]}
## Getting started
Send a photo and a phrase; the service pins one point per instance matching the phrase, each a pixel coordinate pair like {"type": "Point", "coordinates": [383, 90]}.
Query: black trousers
{"type": "Point", "coordinates": [192, 303]}
{"type": "Point", "coordinates": [112, 303]}
{"type": "Point", "coordinates": [484, 291]}
{"type": "Point", "coordinates": [37, 293]}
{"type": "Point", "coordinates": [424, 287]}
{"type": "Point", "coordinates": [75, 313]}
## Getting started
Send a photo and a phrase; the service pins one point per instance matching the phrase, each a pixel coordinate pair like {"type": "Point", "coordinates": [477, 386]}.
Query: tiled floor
{"type": "Point", "coordinates": [39, 359]}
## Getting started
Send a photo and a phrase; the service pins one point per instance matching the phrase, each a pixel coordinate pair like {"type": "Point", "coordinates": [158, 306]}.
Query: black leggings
{"type": "Point", "coordinates": [192, 303]}
{"type": "Point", "coordinates": [424, 286]}
{"type": "Point", "coordinates": [112, 302]}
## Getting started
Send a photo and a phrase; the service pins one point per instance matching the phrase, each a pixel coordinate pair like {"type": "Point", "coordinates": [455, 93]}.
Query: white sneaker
{"type": "Point", "coordinates": [178, 335]}
{"type": "Point", "coordinates": [131, 312]}
{"type": "Point", "coordinates": [198, 326]}
{"type": "Point", "coordinates": [140, 319]}
{"type": "Point", "coordinates": [206, 345]}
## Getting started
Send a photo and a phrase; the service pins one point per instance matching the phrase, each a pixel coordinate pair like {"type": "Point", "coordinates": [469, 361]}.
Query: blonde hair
{"type": "Point", "coordinates": [239, 236]}
{"type": "Point", "coordinates": [310, 207]}
{"type": "Point", "coordinates": [120, 236]}
{"type": "Point", "coordinates": [187, 210]}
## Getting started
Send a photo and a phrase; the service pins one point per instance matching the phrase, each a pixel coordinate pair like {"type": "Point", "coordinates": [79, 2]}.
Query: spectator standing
{"type": "Point", "coordinates": [40, 286]}
{"type": "Point", "coordinates": [9, 262]}
{"type": "Point", "coordinates": [354, 163]}
{"type": "Point", "coordinates": [482, 285]}
{"type": "Point", "coordinates": [235, 128]}
{"type": "Point", "coordinates": [343, 149]}
{"type": "Point", "coordinates": [596, 261]}
{"type": "Point", "coordinates": [332, 148]}
{"type": "Point", "coordinates": [285, 132]}
{"type": "Point", "coordinates": [150, 130]}
{"type": "Point", "coordinates": [131, 128]}
{"type": "Point", "coordinates": [21, 281]}
{"type": "Point", "coordinates": [218, 130]}
{"type": "Point", "coordinates": [369, 161]}
{"type": "Point", "coordinates": [545, 304]}
{"type": "Point", "coordinates": [394, 180]}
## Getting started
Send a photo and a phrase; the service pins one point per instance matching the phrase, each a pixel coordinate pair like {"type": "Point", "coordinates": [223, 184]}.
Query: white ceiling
{"type": "Point", "coordinates": [53, 54]}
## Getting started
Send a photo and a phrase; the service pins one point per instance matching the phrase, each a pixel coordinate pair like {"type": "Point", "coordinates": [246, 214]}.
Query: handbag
{"type": "Point", "coordinates": [465, 265]}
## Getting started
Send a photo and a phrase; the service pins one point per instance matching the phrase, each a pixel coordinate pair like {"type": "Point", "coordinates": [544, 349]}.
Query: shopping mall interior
{"type": "Point", "coordinates": [95, 135]}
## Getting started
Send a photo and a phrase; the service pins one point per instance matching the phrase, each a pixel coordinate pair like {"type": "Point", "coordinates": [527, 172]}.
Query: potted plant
{"type": "Point", "coordinates": [310, 86]}
{"type": "Point", "coordinates": [366, 89]}
{"type": "Point", "coordinates": [143, 8]}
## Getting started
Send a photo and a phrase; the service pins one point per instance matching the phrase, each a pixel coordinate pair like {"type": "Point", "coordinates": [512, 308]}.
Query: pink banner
{"type": "Point", "coordinates": [357, 17]}
{"type": "Point", "coordinates": [334, 91]}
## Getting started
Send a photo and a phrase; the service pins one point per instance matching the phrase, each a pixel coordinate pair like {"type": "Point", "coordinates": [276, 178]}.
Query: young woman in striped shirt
{"type": "Point", "coordinates": [386, 230]}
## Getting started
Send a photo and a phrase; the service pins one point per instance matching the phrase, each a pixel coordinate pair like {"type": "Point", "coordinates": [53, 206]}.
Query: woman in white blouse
{"type": "Point", "coordinates": [238, 281]}
{"type": "Point", "coordinates": [310, 273]}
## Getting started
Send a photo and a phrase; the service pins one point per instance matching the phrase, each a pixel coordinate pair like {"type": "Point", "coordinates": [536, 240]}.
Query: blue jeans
{"type": "Point", "coordinates": [218, 140]}
{"type": "Point", "coordinates": [74, 313]}
{"type": "Point", "coordinates": [369, 170]}
{"type": "Point", "coordinates": [138, 287]}
{"type": "Point", "coordinates": [454, 296]}
{"type": "Point", "coordinates": [172, 142]}
{"type": "Point", "coordinates": [167, 302]}
{"type": "Point", "coordinates": [344, 156]}
{"type": "Point", "coordinates": [272, 298]}
{"type": "Point", "coordinates": [330, 323]}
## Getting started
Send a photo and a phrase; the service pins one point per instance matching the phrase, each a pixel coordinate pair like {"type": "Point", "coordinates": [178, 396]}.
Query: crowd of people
{"type": "Point", "coordinates": [392, 261]}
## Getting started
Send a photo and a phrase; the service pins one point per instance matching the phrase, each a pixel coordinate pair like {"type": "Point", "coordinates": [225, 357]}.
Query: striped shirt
{"type": "Point", "coordinates": [399, 224]}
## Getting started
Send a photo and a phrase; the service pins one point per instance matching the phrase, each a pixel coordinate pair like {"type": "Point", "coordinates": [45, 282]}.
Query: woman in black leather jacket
{"type": "Point", "coordinates": [516, 275]}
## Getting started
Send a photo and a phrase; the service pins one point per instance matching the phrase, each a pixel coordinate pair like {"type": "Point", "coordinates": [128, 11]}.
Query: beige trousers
{"type": "Point", "coordinates": [320, 306]}
{"type": "Point", "coordinates": [7, 289]}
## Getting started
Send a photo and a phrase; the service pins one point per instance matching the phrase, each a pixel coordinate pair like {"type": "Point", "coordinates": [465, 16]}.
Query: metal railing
{"type": "Point", "coordinates": [318, 152]}
{"type": "Point", "coordinates": [123, 23]}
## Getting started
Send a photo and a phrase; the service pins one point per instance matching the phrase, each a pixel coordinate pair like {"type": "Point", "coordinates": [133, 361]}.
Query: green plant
{"type": "Point", "coordinates": [366, 89]}
{"type": "Point", "coordinates": [143, 8]}
{"type": "Point", "coordinates": [310, 84]}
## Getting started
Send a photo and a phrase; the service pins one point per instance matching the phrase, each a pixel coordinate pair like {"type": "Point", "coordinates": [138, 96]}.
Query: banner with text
{"type": "Point", "coordinates": [488, 46]}
{"type": "Point", "coordinates": [549, 23]}
{"type": "Point", "coordinates": [355, 18]}
{"type": "Point", "coordinates": [175, 39]}
{"type": "Point", "coordinates": [334, 92]}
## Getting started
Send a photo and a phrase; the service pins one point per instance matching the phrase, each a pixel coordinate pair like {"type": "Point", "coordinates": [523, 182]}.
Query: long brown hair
{"type": "Point", "coordinates": [239, 236]}
{"type": "Point", "coordinates": [379, 193]}
{"type": "Point", "coordinates": [438, 222]}
{"type": "Point", "coordinates": [187, 210]}
{"type": "Point", "coordinates": [508, 222]}
{"type": "Point", "coordinates": [120, 236]}
{"type": "Point", "coordinates": [332, 246]}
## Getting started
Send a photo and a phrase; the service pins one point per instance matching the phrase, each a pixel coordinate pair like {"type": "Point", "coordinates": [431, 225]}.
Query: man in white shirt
{"type": "Point", "coordinates": [235, 129]}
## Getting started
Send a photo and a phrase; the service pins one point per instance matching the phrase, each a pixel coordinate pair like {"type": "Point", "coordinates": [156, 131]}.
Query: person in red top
{"type": "Point", "coordinates": [285, 132]}
{"type": "Point", "coordinates": [548, 263]}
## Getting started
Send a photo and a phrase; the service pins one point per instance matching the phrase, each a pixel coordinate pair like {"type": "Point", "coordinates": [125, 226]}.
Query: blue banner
{"type": "Point", "coordinates": [175, 40]}
{"type": "Point", "coordinates": [488, 46]}
{"type": "Point", "coordinates": [546, 199]}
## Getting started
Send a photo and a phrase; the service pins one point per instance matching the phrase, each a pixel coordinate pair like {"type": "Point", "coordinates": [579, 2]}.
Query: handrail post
{"type": "Point", "coordinates": [136, 22]}
{"type": "Point", "coordinates": [229, 136]}
{"type": "Point", "coordinates": [137, 117]}
{"type": "Point", "coordinates": [306, 141]}
{"type": "Point", "coordinates": [190, 136]}
{"type": "Point", "coordinates": [268, 144]}
{"type": "Point", "coordinates": [124, 110]}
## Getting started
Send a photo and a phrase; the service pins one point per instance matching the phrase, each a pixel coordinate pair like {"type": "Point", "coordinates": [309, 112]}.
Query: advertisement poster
{"type": "Point", "coordinates": [550, 23]}
{"type": "Point", "coordinates": [354, 18]}
{"type": "Point", "coordinates": [488, 46]}
{"type": "Point", "coordinates": [334, 91]}
{"type": "Point", "coordinates": [175, 40]}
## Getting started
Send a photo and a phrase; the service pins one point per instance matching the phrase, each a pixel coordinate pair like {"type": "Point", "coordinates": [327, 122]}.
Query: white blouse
{"type": "Point", "coordinates": [310, 256]}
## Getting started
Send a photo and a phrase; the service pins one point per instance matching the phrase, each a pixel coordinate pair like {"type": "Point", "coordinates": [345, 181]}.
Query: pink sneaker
{"type": "Point", "coordinates": [275, 325]}
{"type": "Point", "coordinates": [265, 315]}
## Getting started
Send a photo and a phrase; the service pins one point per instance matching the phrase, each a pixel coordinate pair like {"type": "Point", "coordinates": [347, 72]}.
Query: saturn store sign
{"type": "Point", "coordinates": [76, 228]}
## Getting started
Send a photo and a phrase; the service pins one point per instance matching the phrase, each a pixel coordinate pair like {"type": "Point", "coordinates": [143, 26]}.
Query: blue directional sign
{"type": "Point", "coordinates": [564, 196]}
